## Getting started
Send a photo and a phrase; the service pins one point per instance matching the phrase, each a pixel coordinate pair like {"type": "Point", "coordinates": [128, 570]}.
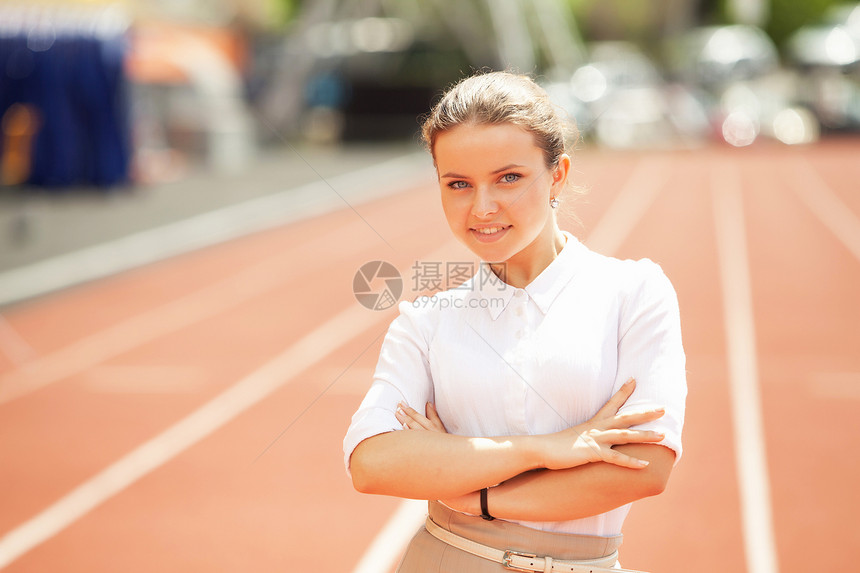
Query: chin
{"type": "Point", "coordinates": [490, 254]}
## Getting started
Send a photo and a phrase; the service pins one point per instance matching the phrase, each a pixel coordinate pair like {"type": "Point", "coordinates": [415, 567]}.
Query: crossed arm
{"type": "Point", "coordinates": [582, 471]}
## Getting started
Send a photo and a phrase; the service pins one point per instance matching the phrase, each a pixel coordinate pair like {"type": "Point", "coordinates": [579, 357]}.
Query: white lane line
{"type": "Point", "coordinates": [749, 443]}
{"type": "Point", "coordinates": [388, 545]}
{"type": "Point", "coordinates": [282, 369]}
{"type": "Point", "coordinates": [211, 228]}
{"type": "Point", "coordinates": [162, 320]}
{"type": "Point", "coordinates": [630, 205]}
{"type": "Point", "coordinates": [826, 205]}
{"type": "Point", "coordinates": [637, 195]}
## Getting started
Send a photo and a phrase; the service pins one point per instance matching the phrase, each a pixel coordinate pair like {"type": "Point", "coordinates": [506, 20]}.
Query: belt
{"type": "Point", "coordinates": [519, 561]}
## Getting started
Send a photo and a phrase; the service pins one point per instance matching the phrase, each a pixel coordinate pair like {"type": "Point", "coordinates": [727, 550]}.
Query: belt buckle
{"type": "Point", "coordinates": [509, 555]}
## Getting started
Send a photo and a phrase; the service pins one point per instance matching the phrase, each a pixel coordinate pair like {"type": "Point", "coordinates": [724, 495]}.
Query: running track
{"type": "Point", "coordinates": [188, 415]}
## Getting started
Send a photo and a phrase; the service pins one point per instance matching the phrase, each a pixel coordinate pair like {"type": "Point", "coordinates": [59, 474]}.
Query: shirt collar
{"type": "Point", "coordinates": [543, 290]}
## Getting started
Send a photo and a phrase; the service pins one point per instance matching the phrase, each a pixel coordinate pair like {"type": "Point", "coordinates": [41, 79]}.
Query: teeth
{"type": "Point", "coordinates": [489, 230]}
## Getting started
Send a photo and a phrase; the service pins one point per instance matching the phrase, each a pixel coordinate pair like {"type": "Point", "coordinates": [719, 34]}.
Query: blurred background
{"type": "Point", "coordinates": [112, 97]}
{"type": "Point", "coordinates": [109, 94]}
{"type": "Point", "coordinates": [224, 167]}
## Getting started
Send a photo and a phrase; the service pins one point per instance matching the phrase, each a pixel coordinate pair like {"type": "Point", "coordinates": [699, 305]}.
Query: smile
{"type": "Point", "coordinates": [489, 234]}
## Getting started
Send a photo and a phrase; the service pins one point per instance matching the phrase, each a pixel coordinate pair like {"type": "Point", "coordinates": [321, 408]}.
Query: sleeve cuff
{"type": "Point", "coordinates": [366, 427]}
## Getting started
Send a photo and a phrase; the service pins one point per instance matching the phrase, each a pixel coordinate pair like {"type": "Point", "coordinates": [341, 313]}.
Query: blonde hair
{"type": "Point", "coordinates": [492, 98]}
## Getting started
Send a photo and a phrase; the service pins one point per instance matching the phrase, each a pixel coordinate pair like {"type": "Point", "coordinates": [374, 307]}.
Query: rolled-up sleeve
{"type": "Point", "coordinates": [402, 375]}
{"type": "Point", "coordinates": [650, 350]}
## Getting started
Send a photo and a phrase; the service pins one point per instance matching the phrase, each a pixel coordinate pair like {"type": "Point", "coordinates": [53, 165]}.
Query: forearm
{"type": "Point", "coordinates": [433, 465]}
{"type": "Point", "coordinates": [578, 492]}
{"type": "Point", "coordinates": [429, 463]}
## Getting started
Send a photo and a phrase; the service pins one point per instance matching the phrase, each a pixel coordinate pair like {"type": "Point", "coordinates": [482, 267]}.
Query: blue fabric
{"type": "Point", "coordinates": [80, 92]}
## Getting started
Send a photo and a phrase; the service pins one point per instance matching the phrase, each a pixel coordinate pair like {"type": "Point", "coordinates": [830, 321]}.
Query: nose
{"type": "Point", "coordinates": [484, 204]}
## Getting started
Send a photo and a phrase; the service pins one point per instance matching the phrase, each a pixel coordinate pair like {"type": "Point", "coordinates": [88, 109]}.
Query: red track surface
{"type": "Point", "coordinates": [227, 503]}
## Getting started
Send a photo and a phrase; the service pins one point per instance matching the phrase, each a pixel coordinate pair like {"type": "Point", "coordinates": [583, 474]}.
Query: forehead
{"type": "Point", "coordinates": [481, 147]}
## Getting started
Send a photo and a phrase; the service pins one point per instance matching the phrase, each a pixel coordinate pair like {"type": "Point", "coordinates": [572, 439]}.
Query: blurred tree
{"type": "Point", "coordinates": [649, 22]}
{"type": "Point", "coordinates": [251, 15]}
{"type": "Point", "coordinates": [749, 12]}
{"type": "Point", "coordinates": [283, 11]}
{"type": "Point", "coordinates": [646, 23]}
{"type": "Point", "coordinates": [782, 17]}
{"type": "Point", "coordinates": [786, 16]}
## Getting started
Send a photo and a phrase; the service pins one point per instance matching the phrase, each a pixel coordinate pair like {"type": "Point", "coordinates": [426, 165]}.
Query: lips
{"type": "Point", "coordinates": [489, 234]}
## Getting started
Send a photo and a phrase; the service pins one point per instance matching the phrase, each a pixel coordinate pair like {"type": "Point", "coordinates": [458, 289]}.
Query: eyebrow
{"type": "Point", "coordinates": [499, 170]}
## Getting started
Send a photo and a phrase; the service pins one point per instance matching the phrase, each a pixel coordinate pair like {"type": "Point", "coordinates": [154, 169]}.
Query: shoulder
{"type": "Point", "coordinates": [425, 313]}
{"type": "Point", "coordinates": [637, 287]}
{"type": "Point", "coordinates": [628, 276]}
{"type": "Point", "coordinates": [643, 295]}
{"type": "Point", "coordinates": [430, 306]}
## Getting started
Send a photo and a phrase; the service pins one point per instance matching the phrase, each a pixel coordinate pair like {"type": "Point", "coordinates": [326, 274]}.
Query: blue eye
{"type": "Point", "coordinates": [458, 184]}
{"type": "Point", "coordinates": [511, 177]}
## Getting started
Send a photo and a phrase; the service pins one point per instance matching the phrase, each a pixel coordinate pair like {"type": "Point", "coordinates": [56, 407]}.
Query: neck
{"type": "Point", "coordinates": [524, 267]}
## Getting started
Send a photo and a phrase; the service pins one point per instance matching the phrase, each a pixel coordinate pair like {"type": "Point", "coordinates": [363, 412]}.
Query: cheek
{"type": "Point", "coordinates": [455, 209]}
{"type": "Point", "coordinates": [535, 205]}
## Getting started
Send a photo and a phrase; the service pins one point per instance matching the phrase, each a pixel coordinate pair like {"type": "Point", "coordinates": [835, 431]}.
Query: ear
{"type": "Point", "coordinates": [560, 173]}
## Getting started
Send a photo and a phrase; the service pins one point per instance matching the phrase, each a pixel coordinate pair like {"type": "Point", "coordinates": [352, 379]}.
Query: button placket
{"type": "Point", "coordinates": [520, 302]}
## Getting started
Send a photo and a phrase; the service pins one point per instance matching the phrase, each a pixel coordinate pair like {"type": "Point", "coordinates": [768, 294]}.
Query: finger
{"type": "Point", "coordinates": [618, 437]}
{"type": "Point", "coordinates": [621, 421]}
{"type": "Point", "coordinates": [433, 416]}
{"type": "Point", "coordinates": [619, 459]}
{"type": "Point", "coordinates": [402, 418]}
{"type": "Point", "coordinates": [416, 420]}
{"type": "Point", "coordinates": [617, 400]}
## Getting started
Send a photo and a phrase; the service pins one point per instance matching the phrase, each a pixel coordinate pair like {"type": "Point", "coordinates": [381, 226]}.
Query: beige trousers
{"type": "Point", "coordinates": [426, 554]}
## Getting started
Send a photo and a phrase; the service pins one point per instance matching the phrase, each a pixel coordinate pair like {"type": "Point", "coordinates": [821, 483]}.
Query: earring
{"type": "Point", "coordinates": [553, 202]}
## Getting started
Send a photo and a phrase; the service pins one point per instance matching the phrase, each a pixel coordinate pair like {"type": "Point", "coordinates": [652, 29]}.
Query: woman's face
{"type": "Point", "coordinates": [496, 190]}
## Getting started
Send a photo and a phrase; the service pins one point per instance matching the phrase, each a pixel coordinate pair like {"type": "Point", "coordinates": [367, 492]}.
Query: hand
{"type": "Point", "coordinates": [593, 440]}
{"type": "Point", "coordinates": [412, 420]}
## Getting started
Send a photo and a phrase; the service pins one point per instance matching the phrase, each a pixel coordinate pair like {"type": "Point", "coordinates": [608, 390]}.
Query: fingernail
{"type": "Point", "coordinates": [643, 463]}
{"type": "Point", "coordinates": [629, 382]}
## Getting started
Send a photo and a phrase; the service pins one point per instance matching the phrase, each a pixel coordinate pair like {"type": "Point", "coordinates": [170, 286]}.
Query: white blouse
{"type": "Point", "coordinates": [498, 360]}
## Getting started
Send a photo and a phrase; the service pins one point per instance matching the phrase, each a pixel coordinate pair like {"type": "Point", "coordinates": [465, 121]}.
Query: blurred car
{"type": "Point", "coordinates": [371, 78]}
{"type": "Point", "coordinates": [716, 56]}
{"type": "Point", "coordinates": [620, 100]}
{"type": "Point", "coordinates": [748, 93]}
{"type": "Point", "coordinates": [828, 55]}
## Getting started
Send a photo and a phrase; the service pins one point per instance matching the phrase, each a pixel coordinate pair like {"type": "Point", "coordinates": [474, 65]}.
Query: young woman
{"type": "Point", "coordinates": [534, 403]}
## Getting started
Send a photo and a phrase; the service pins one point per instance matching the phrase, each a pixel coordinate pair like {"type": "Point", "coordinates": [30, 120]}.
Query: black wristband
{"type": "Point", "coordinates": [485, 513]}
